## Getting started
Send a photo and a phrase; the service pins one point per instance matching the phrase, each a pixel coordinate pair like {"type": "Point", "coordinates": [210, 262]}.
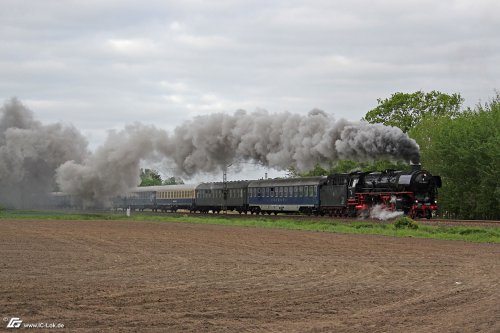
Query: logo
{"type": "Point", "coordinates": [14, 323]}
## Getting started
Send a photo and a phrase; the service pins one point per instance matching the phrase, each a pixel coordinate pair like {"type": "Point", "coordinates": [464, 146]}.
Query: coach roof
{"type": "Point", "coordinates": [288, 182]}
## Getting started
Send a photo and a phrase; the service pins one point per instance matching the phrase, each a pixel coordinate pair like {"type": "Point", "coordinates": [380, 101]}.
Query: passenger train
{"type": "Point", "coordinates": [345, 194]}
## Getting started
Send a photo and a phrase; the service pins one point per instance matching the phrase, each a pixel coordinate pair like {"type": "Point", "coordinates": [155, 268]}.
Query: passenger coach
{"type": "Point", "coordinates": [214, 197]}
{"type": "Point", "coordinates": [175, 197]}
{"type": "Point", "coordinates": [285, 195]}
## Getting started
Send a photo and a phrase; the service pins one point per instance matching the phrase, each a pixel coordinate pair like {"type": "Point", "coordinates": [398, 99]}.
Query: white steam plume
{"type": "Point", "coordinates": [381, 213]}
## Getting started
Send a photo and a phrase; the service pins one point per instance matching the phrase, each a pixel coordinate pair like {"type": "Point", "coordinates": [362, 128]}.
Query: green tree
{"type": "Point", "coordinates": [406, 110]}
{"type": "Point", "coordinates": [150, 177]}
{"type": "Point", "coordinates": [173, 181]}
{"type": "Point", "coordinates": [465, 152]}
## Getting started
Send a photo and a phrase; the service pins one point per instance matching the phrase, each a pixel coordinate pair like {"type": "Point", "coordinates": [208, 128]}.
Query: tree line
{"type": "Point", "coordinates": [462, 145]}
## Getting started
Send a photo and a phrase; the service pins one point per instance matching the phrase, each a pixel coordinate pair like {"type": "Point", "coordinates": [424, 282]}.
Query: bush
{"type": "Point", "coordinates": [405, 222]}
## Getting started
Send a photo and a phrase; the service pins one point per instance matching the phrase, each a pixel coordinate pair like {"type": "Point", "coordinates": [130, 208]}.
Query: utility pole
{"type": "Point", "coordinates": [224, 188]}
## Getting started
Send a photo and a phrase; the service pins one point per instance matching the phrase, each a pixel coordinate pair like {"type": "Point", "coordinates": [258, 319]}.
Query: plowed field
{"type": "Point", "coordinates": [154, 276]}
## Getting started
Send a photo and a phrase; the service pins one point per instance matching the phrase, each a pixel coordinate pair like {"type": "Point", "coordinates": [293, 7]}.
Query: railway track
{"type": "Point", "coordinates": [434, 222]}
{"type": "Point", "coordinates": [230, 214]}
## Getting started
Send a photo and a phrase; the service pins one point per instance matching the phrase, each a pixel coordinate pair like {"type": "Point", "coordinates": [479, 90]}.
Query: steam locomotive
{"type": "Point", "coordinates": [345, 194]}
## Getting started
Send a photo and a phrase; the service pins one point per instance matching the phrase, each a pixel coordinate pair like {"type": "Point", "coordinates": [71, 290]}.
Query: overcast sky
{"type": "Point", "coordinates": [100, 64]}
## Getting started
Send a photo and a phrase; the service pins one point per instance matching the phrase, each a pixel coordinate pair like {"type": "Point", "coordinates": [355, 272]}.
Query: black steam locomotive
{"type": "Point", "coordinates": [348, 194]}
{"type": "Point", "coordinates": [414, 192]}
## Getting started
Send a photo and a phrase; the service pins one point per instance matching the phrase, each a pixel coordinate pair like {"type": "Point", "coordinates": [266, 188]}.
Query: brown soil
{"type": "Point", "coordinates": [153, 276]}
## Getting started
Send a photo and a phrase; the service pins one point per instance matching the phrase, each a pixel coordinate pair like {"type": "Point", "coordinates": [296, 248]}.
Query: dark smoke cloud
{"type": "Point", "coordinates": [30, 153]}
{"type": "Point", "coordinates": [281, 140]}
{"type": "Point", "coordinates": [208, 143]}
{"type": "Point", "coordinates": [114, 167]}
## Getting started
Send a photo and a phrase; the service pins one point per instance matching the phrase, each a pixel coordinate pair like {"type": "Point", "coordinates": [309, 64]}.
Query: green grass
{"type": "Point", "coordinates": [469, 234]}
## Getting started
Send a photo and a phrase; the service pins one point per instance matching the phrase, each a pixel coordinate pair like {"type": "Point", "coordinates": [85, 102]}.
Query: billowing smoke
{"type": "Point", "coordinates": [114, 167]}
{"type": "Point", "coordinates": [281, 140]}
{"type": "Point", "coordinates": [30, 153]}
{"type": "Point", "coordinates": [208, 143]}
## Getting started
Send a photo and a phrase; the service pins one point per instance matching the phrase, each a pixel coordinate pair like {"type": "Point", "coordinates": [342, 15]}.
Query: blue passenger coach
{"type": "Point", "coordinates": [285, 195]}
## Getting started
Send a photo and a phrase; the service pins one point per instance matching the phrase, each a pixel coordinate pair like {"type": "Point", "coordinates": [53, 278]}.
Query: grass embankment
{"type": "Point", "coordinates": [397, 229]}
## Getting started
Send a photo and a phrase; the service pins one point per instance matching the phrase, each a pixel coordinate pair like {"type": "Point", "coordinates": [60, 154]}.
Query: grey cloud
{"type": "Point", "coordinates": [101, 64]}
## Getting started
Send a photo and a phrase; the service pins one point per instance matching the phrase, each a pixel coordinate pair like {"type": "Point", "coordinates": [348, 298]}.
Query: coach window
{"type": "Point", "coordinates": [315, 191]}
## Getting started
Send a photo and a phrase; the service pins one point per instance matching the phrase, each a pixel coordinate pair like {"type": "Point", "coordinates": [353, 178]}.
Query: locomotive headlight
{"type": "Point", "coordinates": [435, 201]}
{"type": "Point", "coordinates": [416, 201]}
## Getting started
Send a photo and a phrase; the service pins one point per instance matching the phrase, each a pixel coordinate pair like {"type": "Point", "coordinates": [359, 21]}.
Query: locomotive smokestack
{"type": "Point", "coordinates": [416, 167]}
